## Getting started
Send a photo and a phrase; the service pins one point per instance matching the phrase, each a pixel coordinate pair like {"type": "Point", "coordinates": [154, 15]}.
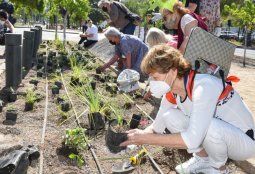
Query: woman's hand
{"type": "Point", "coordinates": [135, 136]}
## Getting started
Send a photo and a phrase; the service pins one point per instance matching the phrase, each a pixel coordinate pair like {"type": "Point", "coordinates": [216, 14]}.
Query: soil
{"type": "Point", "coordinates": [29, 127]}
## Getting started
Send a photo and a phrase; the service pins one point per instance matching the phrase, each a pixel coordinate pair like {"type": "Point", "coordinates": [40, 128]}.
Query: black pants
{"type": "Point", "coordinates": [82, 40]}
{"type": "Point", "coordinates": [87, 43]}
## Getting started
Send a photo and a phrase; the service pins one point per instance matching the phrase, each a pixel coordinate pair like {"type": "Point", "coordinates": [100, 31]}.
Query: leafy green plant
{"type": "Point", "coordinates": [59, 44]}
{"type": "Point", "coordinates": [76, 138]}
{"type": "Point", "coordinates": [119, 115]}
{"type": "Point", "coordinates": [78, 158]}
{"type": "Point", "coordinates": [31, 96]}
{"type": "Point", "coordinates": [10, 107]}
{"type": "Point", "coordinates": [63, 114]}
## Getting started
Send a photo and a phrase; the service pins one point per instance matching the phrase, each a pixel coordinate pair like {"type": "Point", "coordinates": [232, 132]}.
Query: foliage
{"type": "Point", "coordinates": [97, 15]}
{"type": "Point", "coordinates": [76, 69]}
{"type": "Point", "coordinates": [10, 107]}
{"type": "Point", "coordinates": [139, 7]}
{"type": "Point", "coordinates": [242, 15]}
{"type": "Point", "coordinates": [59, 44]}
{"type": "Point", "coordinates": [31, 96]}
{"type": "Point", "coordinates": [63, 114]}
{"type": "Point", "coordinates": [78, 158]}
{"type": "Point", "coordinates": [76, 138]}
{"type": "Point", "coordinates": [35, 4]}
{"type": "Point", "coordinates": [119, 114]}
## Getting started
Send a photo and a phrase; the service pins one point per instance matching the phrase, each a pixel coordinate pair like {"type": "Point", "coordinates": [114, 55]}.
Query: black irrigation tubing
{"type": "Point", "coordinates": [45, 121]}
{"type": "Point", "coordinates": [78, 122]}
{"type": "Point", "coordinates": [150, 157]}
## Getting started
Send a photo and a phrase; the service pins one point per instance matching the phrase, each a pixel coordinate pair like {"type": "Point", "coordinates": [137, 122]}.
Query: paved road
{"type": "Point", "coordinates": [50, 35]}
{"type": "Point", "coordinates": [249, 53]}
{"type": "Point", "coordinates": [75, 37]}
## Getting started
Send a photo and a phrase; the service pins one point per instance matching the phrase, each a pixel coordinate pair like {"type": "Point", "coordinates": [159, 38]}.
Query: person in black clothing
{"type": "Point", "coordinates": [192, 5]}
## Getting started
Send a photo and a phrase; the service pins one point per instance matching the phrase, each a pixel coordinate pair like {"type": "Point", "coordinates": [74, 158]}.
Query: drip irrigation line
{"type": "Point", "coordinates": [78, 123]}
{"type": "Point", "coordinates": [45, 120]}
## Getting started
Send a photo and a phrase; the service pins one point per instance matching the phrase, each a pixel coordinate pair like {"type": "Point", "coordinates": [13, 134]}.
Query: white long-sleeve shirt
{"type": "Point", "coordinates": [204, 106]}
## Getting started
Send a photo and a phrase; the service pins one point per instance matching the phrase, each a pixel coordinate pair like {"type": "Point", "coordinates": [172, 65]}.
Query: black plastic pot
{"type": "Point", "coordinates": [11, 115]}
{"type": "Point", "coordinates": [111, 88]}
{"type": "Point", "coordinates": [49, 63]}
{"type": "Point", "coordinates": [12, 97]}
{"type": "Point", "coordinates": [127, 105]}
{"type": "Point", "coordinates": [93, 85]}
{"type": "Point", "coordinates": [60, 100]}
{"type": "Point", "coordinates": [34, 82]}
{"type": "Point", "coordinates": [29, 106]}
{"type": "Point", "coordinates": [98, 71]}
{"type": "Point", "coordinates": [96, 121]}
{"type": "Point", "coordinates": [39, 74]}
{"type": "Point", "coordinates": [55, 90]}
{"type": "Point", "coordinates": [74, 81]}
{"type": "Point", "coordinates": [39, 66]}
{"type": "Point", "coordinates": [65, 106]}
{"type": "Point", "coordinates": [114, 139]}
{"type": "Point", "coordinates": [135, 121]}
{"type": "Point", "coordinates": [58, 84]}
{"type": "Point", "coordinates": [40, 61]}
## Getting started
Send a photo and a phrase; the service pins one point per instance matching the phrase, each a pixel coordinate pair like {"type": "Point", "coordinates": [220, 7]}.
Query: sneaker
{"type": "Point", "coordinates": [212, 170]}
{"type": "Point", "coordinates": [193, 165]}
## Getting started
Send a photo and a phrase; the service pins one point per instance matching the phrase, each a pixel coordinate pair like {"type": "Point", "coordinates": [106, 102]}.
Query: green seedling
{"type": "Point", "coordinates": [31, 96]}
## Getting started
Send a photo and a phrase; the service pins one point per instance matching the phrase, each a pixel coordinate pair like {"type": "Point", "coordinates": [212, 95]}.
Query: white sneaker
{"type": "Point", "coordinates": [212, 170]}
{"type": "Point", "coordinates": [193, 165]}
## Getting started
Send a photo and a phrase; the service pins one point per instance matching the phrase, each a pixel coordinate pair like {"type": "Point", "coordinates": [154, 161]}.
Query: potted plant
{"type": "Point", "coordinates": [40, 72]}
{"type": "Point", "coordinates": [58, 84]}
{"type": "Point", "coordinates": [11, 113]}
{"type": "Point", "coordinates": [116, 131]}
{"type": "Point", "coordinates": [76, 71]}
{"type": "Point", "coordinates": [93, 85]}
{"type": "Point", "coordinates": [96, 107]}
{"type": "Point", "coordinates": [64, 115]}
{"type": "Point", "coordinates": [12, 95]}
{"type": "Point", "coordinates": [30, 99]}
{"type": "Point", "coordinates": [112, 88]}
{"type": "Point", "coordinates": [54, 89]}
{"type": "Point", "coordinates": [74, 142]}
{"type": "Point", "coordinates": [65, 106]}
{"type": "Point", "coordinates": [34, 81]}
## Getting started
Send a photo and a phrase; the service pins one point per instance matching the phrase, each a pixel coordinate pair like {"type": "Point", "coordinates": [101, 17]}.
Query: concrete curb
{"type": "Point", "coordinates": [248, 61]}
{"type": "Point", "coordinates": [249, 48]}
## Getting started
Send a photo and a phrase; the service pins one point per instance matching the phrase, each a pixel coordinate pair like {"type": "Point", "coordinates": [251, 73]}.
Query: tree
{"type": "Point", "coordinates": [243, 16]}
{"type": "Point", "coordinates": [77, 8]}
{"type": "Point", "coordinates": [35, 4]}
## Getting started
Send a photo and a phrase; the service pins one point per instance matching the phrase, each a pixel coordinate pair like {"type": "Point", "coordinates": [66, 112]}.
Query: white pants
{"type": "Point", "coordinates": [221, 142]}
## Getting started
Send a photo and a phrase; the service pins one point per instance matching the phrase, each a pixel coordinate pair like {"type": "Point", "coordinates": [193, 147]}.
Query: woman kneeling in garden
{"type": "Point", "coordinates": [211, 122]}
{"type": "Point", "coordinates": [130, 47]}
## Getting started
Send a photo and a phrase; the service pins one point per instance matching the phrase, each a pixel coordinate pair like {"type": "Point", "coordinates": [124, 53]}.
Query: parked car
{"type": "Point", "coordinates": [228, 35]}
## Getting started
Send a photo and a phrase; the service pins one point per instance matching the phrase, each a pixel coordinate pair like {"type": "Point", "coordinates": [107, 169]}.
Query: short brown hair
{"type": "Point", "coordinates": [162, 58]}
{"type": "Point", "coordinates": [179, 7]}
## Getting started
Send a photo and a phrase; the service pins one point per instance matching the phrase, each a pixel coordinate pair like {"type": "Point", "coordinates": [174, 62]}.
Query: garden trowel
{"type": "Point", "coordinates": [130, 165]}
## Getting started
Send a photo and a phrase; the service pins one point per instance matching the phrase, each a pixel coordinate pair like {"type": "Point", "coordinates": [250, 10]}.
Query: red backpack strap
{"type": "Point", "coordinates": [189, 83]}
{"type": "Point", "coordinates": [170, 97]}
{"type": "Point", "coordinates": [226, 91]}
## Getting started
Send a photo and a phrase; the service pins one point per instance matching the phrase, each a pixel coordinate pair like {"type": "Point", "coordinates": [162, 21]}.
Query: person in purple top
{"type": "Point", "coordinates": [129, 50]}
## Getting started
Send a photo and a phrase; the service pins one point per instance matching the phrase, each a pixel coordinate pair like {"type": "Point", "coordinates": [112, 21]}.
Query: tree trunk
{"type": "Point", "coordinates": [68, 21]}
{"type": "Point", "coordinates": [245, 45]}
{"type": "Point", "coordinates": [56, 31]}
{"type": "Point", "coordinates": [64, 32]}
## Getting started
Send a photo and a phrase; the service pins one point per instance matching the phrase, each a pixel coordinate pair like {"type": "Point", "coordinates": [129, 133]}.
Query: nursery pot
{"type": "Point", "coordinates": [11, 115]}
{"type": "Point", "coordinates": [29, 106]}
{"type": "Point", "coordinates": [135, 121]}
{"type": "Point", "coordinates": [127, 105]}
{"type": "Point", "coordinates": [55, 90]}
{"type": "Point", "coordinates": [58, 84]}
{"type": "Point", "coordinates": [60, 100]}
{"type": "Point", "coordinates": [98, 71]}
{"type": "Point", "coordinates": [12, 97]}
{"type": "Point", "coordinates": [96, 121]}
{"type": "Point", "coordinates": [112, 89]}
{"type": "Point", "coordinates": [114, 138]}
{"type": "Point", "coordinates": [34, 82]}
{"type": "Point", "coordinates": [93, 85]}
{"type": "Point", "coordinates": [39, 73]}
{"type": "Point", "coordinates": [39, 66]}
{"type": "Point", "coordinates": [65, 106]}
{"type": "Point", "coordinates": [75, 81]}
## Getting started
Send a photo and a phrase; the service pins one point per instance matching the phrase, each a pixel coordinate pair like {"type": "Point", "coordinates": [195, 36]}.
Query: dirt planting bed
{"type": "Point", "coordinates": [62, 124]}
